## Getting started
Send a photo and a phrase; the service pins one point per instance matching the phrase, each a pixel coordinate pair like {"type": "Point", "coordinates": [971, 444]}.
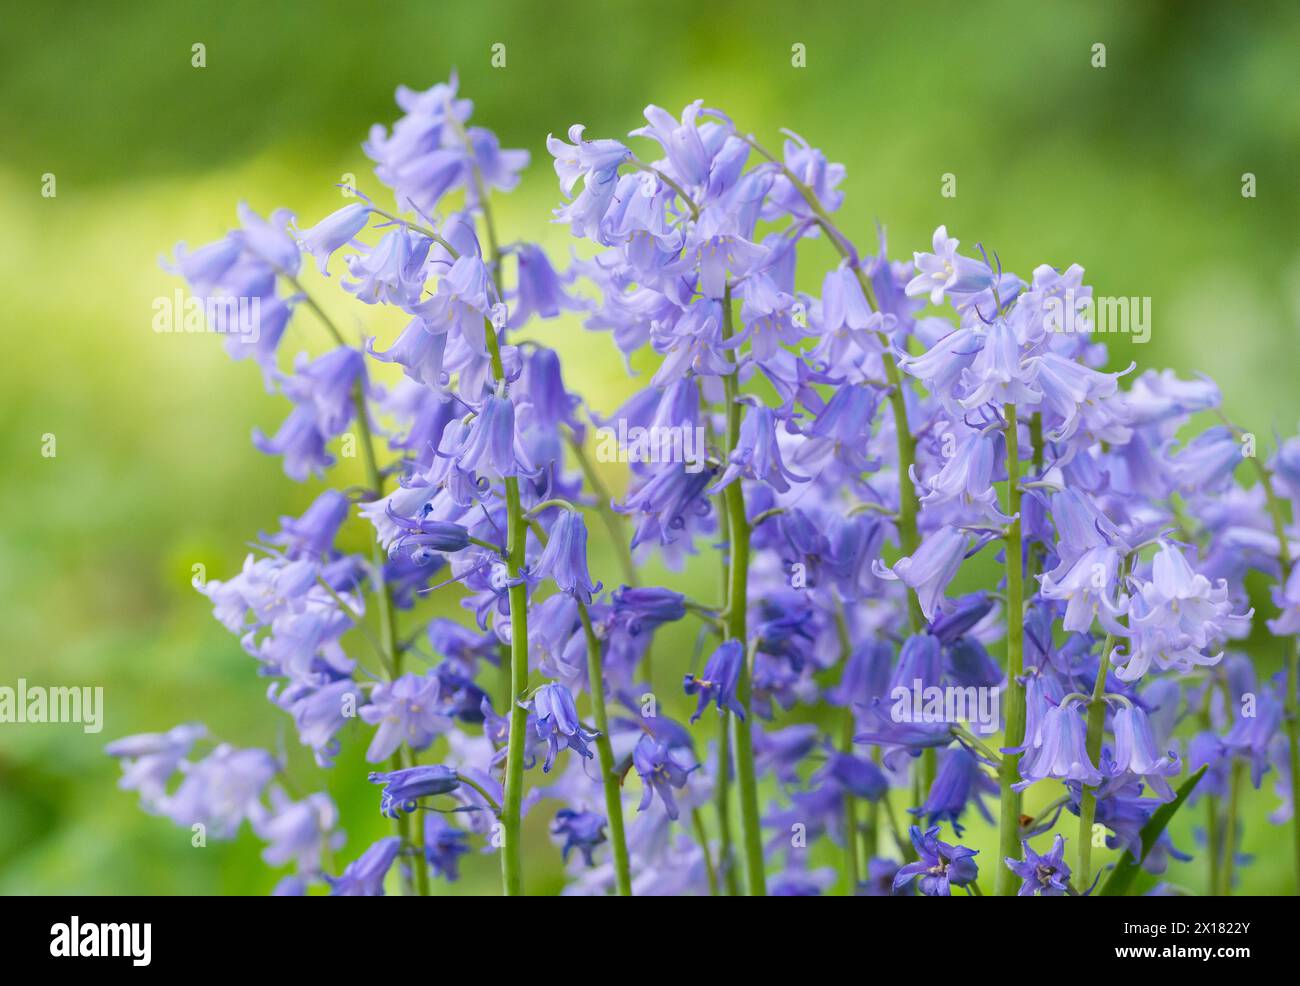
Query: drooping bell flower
{"type": "Point", "coordinates": [364, 876]}
{"type": "Point", "coordinates": [929, 569]}
{"type": "Point", "coordinates": [333, 232]}
{"type": "Point", "coordinates": [488, 447]}
{"type": "Point", "coordinates": [1058, 750]}
{"type": "Point", "coordinates": [757, 454]}
{"type": "Point", "coordinates": [660, 773]}
{"type": "Point", "coordinates": [857, 776]}
{"type": "Point", "coordinates": [959, 781]}
{"type": "Point", "coordinates": [582, 830]}
{"type": "Point", "coordinates": [718, 682]}
{"type": "Point", "coordinates": [404, 788]}
{"type": "Point", "coordinates": [1136, 752]}
{"type": "Point", "coordinates": [392, 271]}
{"type": "Point", "coordinates": [557, 723]}
{"type": "Point", "coordinates": [564, 558]}
{"type": "Point", "coordinates": [444, 844]}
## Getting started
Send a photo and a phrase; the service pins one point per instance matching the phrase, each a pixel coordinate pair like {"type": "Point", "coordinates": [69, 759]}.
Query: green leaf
{"type": "Point", "coordinates": [1126, 869]}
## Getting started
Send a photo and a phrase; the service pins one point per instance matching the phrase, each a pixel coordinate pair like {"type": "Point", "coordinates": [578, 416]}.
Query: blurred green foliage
{"type": "Point", "coordinates": [1133, 170]}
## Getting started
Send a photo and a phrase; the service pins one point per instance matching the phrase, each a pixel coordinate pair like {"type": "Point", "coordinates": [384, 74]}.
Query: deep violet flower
{"type": "Point", "coordinates": [719, 680]}
{"type": "Point", "coordinates": [940, 866]}
{"type": "Point", "coordinates": [558, 725]}
{"type": "Point", "coordinates": [1047, 875]}
{"type": "Point", "coordinates": [404, 788]}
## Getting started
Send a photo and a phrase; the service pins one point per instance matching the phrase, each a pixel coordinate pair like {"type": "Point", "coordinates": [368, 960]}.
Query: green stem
{"type": "Point", "coordinates": [1291, 711]}
{"type": "Point", "coordinates": [1213, 841]}
{"type": "Point", "coordinates": [702, 837]}
{"type": "Point", "coordinates": [1230, 828]}
{"type": "Point", "coordinates": [1092, 743]}
{"type": "Point", "coordinates": [722, 786]}
{"type": "Point", "coordinates": [737, 606]}
{"type": "Point", "coordinates": [852, 868]}
{"type": "Point", "coordinates": [608, 774]}
{"type": "Point", "coordinates": [722, 801]}
{"type": "Point", "coordinates": [1010, 800]}
{"type": "Point", "coordinates": [516, 543]}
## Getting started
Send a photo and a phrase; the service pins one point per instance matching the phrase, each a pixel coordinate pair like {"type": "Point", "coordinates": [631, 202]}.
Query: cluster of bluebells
{"type": "Point", "coordinates": [865, 427]}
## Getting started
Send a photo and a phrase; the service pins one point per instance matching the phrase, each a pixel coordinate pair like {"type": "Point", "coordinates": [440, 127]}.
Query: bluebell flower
{"type": "Point", "coordinates": [221, 790]}
{"type": "Point", "coordinates": [718, 683]}
{"type": "Point", "coordinates": [489, 447]}
{"type": "Point", "coordinates": [959, 782]}
{"type": "Point", "coordinates": [880, 879]}
{"type": "Point", "coordinates": [929, 569]}
{"type": "Point", "coordinates": [299, 832]}
{"type": "Point", "coordinates": [334, 231]}
{"type": "Point", "coordinates": [865, 676]}
{"type": "Point", "coordinates": [1176, 616]}
{"type": "Point", "coordinates": [407, 710]}
{"type": "Point", "coordinates": [392, 271]}
{"type": "Point", "coordinates": [920, 665]}
{"type": "Point", "coordinates": [578, 160]}
{"type": "Point", "coordinates": [999, 374]}
{"type": "Point", "coordinates": [464, 302]}
{"type": "Point", "coordinates": [312, 535]}
{"type": "Point", "coordinates": [150, 760]}
{"type": "Point", "coordinates": [1047, 875]}
{"type": "Point", "coordinates": [967, 477]}
{"type": "Point", "coordinates": [757, 454]}
{"type": "Point", "coordinates": [549, 403]}
{"type": "Point", "coordinates": [682, 141]}
{"type": "Point", "coordinates": [404, 788]}
{"type": "Point", "coordinates": [813, 171]}
{"type": "Point", "coordinates": [945, 271]}
{"type": "Point", "coordinates": [558, 725]}
{"type": "Point", "coordinates": [857, 776]}
{"type": "Point", "coordinates": [637, 609]}
{"type": "Point", "coordinates": [660, 773]}
{"type": "Point", "coordinates": [364, 876]}
{"type": "Point", "coordinates": [301, 443]}
{"type": "Point", "coordinates": [1057, 749]}
{"type": "Point", "coordinates": [419, 350]}
{"type": "Point", "coordinates": [1136, 752]}
{"type": "Point", "coordinates": [969, 663]}
{"type": "Point", "coordinates": [1251, 737]}
{"type": "Point", "coordinates": [940, 866]}
{"type": "Point", "coordinates": [423, 539]}
{"type": "Point", "coordinates": [582, 830]}
{"type": "Point", "coordinates": [564, 558]}
{"type": "Point", "coordinates": [1207, 462]}
{"type": "Point", "coordinates": [444, 844]}
{"type": "Point", "coordinates": [431, 151]}
{"type": "Point", "coordinates": [328, 385]}
{"type": "Point", "coordinates": [268, 239]}
{"type": "Point", "coordinates": [1087, 576]}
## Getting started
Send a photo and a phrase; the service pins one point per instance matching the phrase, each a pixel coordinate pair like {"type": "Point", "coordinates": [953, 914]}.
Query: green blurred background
{"type": "Point", "coordinates": [1133, 170]}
